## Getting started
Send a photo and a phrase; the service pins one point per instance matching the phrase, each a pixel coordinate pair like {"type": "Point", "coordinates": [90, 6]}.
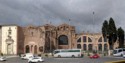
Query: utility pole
{"type": "Point", "coordinates": [95, 46]}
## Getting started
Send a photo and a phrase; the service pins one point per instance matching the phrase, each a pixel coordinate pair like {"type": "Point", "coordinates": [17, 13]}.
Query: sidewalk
{"type": "Point", "coordinates": [10, 56]}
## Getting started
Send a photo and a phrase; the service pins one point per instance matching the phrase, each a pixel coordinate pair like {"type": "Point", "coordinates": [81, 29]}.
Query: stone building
{"type": "Point", "coordinates": [42, 39]}
{"type": "Point", "coordinates": [34, 39]}
{"type": "Point", "coordinates": [59, 37]}
{"type": "Point", "coordinates": [66, 37]}
{"type": "Point", "coordinates": [92, 42]}
{"type": "Point", "coordinates": [47, 38]}
{"type": "Point", "coordinates": [50, 38]}
{"type": "Point", "coordinates": [11, 39]}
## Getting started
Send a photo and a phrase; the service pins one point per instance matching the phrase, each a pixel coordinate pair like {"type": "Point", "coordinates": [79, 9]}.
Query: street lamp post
{"type": "Point", "coordinates": [70, 35]}
{"type": "Point", "coordinates": [50, 38]}
{"type": "Point", "coordinates": [50, 41]}
{"type": "Point", "coordinates": [95, 46]}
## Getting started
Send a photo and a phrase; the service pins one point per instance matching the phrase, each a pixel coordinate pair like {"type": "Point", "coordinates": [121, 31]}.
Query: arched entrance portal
{"type": "Point", "coordinates": [9, 48]}
{"type": "Point", "coordinates": [35, 49]}
{"type": "Point", "coordinates": [27, 49]}
{"type": "Point", "coordinates": [63, 40]}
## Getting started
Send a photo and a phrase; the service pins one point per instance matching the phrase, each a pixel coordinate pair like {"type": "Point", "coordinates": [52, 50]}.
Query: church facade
{"type": "Point", "coordinates": [11, 40]}
{"type": "Point", "coordinates": [46, 38]}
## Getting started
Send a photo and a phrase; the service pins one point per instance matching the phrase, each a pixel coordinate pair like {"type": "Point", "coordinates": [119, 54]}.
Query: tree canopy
{"type": "Point", "coordinates": [109, 31]}
{"type": "Point", "coordinates": [121, 37]}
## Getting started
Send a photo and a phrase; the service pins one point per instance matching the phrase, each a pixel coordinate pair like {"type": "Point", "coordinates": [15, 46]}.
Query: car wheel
{"type": "Point", "coordinates": [59, 56]}
{"type": "Point", "coordinates": [121, 54]}
{"type": "Point", "coordinates": [79, 56]}
{"type": "Point", "coordinates": [73, 56]}
{"type": "Point", "coordinates": [30, 62]}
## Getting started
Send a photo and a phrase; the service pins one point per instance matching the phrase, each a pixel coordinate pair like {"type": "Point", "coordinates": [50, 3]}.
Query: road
{"type": "Point", "coordinates": [66, 60]}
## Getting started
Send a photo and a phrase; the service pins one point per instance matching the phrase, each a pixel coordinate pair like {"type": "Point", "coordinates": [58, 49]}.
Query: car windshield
{"type": "Point", "coordinates": [115, 51]}
{"type": "Point", "coordinates": [35, 58]}
{"type": "Point", "coordinates": [55, 52]}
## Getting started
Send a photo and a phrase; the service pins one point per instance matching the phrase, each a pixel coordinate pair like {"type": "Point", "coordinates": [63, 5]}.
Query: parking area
{"type": "Point", "coordinates": [67, 60]}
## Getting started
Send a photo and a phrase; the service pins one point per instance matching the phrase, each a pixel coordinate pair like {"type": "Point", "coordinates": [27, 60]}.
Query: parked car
{"type": "Point", "coordinates": [95, 56]}
{"type": "Point", "coordinates": [35, 59]}
{"type": "Point", "coordinates": [2, 58]}
{"type": "Point", "coordinates": [123, 54]}
{"type": "Point", "coordinates": [27, 56]}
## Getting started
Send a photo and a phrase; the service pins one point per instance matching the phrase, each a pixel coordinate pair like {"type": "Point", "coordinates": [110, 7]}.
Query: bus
{"type": "Point", "coordinates": [119, 52]}
{"type": "Point", "coordinates": [67, 53]}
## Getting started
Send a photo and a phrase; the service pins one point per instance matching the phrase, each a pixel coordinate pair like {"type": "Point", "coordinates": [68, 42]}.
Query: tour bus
{"type": "Point", "coordinates": [67, 53]}
{"type": "Point", "coordinates": [119, 52]}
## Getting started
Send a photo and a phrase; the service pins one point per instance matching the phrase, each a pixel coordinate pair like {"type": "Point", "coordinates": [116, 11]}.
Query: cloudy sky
{"type": "Point", "coordinates": [80, 13]}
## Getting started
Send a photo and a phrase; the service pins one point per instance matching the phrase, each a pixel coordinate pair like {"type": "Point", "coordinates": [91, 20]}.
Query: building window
{"type": "Point", "coordinates": [35, 49]}
{"type": "Point", "coordinates": [105, 47]}
{"type": "Point", "coordinates": [79, 46]}
{"type": "Point", "coordinates": [63, 40]}
{"type": "Point", "coordinates": [64, 28]}
{"type": "Point", "coordinates": [32, 33]}
{"type": "Point", "coordinates": [105, 39]}
{"type": "Point", "coordinates": [84, 38]}
{"type": "Point", "coordinates": [100, 47]}
{"type": "Point", "coordinates": [90, 47]}
{"type": "Point", "coordinates": [100, 39]}
{"type": "Point", "coordinates": [41, 48]}
{"type": "Point", "coordinates": [79, 40]}
{"type": "Point", "coordinates": [84, 47]}
{"type": "Point", "coordinates": [89, 39]}
{"type": "Point", "coordinates": [27, 49]}
{"type": "Point", "coordinates": [9, 31]}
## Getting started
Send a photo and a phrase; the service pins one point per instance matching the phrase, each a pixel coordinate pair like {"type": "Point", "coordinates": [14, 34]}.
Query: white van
{"type": "Point", "coordinates": [27, 56]}
{"type": "Point", "coordinates": [119, 52]}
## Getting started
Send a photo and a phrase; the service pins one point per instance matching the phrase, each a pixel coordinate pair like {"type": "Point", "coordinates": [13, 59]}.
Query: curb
{"type": "Point", "coordinates": [119, 61]}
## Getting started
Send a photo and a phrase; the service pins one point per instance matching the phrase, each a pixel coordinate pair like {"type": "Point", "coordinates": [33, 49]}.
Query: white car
{"type": "Point", "coordinates": [36, 59]}
{"type": "Point", "coordinates": [27, 56]}
{"type": "Point", "coordinates": [2, 59]}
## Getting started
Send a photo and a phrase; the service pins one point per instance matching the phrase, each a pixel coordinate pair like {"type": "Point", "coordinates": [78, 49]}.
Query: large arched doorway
{"type": "Point", "coordinates": [79, 46]}
{"type": "Point", "coordinates": [105, 47]}
{"type": "Point", "coordinates": [9, 48]}
{"type": "Point", "coordinates": [84, 47]}
{"type": "Point", "coordinates": [90, 47]}
{"type": "Point", "coordinates": [100, 47]}
{"type": "Point", "coordinates": [27, 49]}
{"type": "Point", "coordinates": [63, 40]}
{"type": "Point", "coordinates": [35, 49]}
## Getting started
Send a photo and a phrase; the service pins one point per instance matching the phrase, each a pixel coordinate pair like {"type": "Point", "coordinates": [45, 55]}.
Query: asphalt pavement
{"type": "Point", "coordinates": [66, 60]}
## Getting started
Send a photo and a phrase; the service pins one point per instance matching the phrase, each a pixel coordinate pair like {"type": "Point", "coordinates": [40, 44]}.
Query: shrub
{"type": "Point", "coordinates": [88, 54]}
{"type": "Point", "coordinates": [46, 55]}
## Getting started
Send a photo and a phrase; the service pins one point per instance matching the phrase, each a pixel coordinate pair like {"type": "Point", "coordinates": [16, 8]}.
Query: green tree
{"type": "Point", "coordinates": [105, 29]}
{"type": "Point", "coordinates": [109, 31]}
{"type": "Point", "coordinates": [112, 33]}
{"type": "Point", "coordinates": [121, 37]}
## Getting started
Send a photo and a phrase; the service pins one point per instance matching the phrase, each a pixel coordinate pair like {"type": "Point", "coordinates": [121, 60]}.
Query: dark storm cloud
{"type": "Point", "coordinates": [80, 12]}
